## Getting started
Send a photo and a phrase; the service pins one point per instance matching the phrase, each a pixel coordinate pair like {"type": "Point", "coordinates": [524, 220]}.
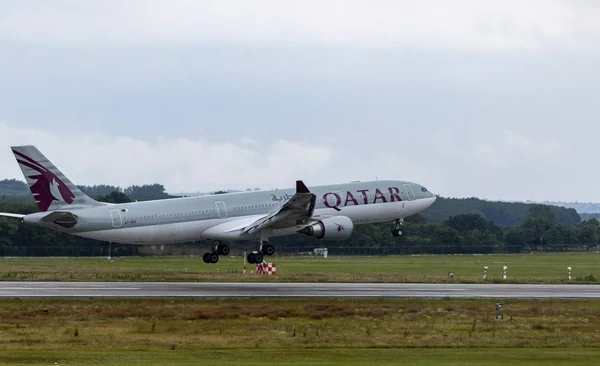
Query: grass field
{"type": "Point", "coordinates": [297, 332]}
{"type": "Point", "coordinates": [301, 357]}
{"type": "Point", "coordinates": [524, 268]}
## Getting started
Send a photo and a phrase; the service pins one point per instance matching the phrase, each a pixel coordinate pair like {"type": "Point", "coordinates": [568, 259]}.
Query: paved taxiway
{"type": "Point", "coordinates": [17, 289]}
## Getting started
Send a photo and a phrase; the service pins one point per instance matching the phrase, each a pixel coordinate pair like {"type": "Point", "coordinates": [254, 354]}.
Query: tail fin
{"type": "Point", "coordinates": [49, 186]}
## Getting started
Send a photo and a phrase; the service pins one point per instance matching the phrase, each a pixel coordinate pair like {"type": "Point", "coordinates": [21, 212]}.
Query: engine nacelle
{"type": "Point", "coordinates": [331, 228]}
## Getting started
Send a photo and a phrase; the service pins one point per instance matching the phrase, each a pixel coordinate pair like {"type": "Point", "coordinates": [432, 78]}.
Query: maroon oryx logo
{"type": "Point", "coordinates": [47, 187]}
{"type": "Point", "coordinates": [340, 227]}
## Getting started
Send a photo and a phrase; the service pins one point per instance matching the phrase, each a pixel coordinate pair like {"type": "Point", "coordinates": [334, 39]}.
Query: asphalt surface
{"type": "Point", "coordinates": [20, 289]}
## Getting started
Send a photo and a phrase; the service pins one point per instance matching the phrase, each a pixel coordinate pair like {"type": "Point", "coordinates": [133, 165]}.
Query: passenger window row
{"type": "Point", "coordinates": [243, 208]}
{"type": "Point", "coordinates": [253, 207]}
{"type": "Point", "coordinates": [179, 214]}
{"type": "Point", "coordinates": [205, 212]}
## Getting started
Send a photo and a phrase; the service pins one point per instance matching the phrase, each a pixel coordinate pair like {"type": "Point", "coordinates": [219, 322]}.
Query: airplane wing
{"type": "Point", "coordinates": [16, 216]}
{"type": "Point", "coordinates": [296, 211]}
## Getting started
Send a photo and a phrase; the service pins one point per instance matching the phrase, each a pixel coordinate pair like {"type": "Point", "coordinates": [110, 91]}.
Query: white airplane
{"type": "Point", "coordinates": [326, 212]}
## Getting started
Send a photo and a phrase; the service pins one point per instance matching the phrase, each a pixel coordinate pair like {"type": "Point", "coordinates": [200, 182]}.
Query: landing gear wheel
{"type": "Point", "coordinates": [268, 250]}
{"type": "Point", "coordinates": [398, 231]}
{"type": "Point", "coordinates": [223, 249]}
{"type": "Point", "coordinates": [254, 258]}
{"type": "Point", "coordinates": [220, 248]}
{"type": "Point", "coordinates": [210, 257]}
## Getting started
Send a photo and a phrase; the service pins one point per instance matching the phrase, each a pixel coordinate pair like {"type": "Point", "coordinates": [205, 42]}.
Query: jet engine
{"type": "Point", "coordinates": [331, 228]}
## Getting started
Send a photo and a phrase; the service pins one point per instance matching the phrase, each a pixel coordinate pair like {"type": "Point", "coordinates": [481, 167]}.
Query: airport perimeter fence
{"type": "Point", "coordinates": [100, 250]}
{"type": "Point", "coordinates": [119, 250]}
{"type": "Point", "coordinates": [408, 250]}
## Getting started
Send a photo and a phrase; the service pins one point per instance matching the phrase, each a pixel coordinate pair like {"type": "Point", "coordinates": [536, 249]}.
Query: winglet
{"type": "Point", "coordinates": [301, 187]}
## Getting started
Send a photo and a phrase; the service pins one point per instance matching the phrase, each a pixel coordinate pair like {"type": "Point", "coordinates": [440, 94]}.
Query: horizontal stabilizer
{"type": "Point", "coordinates": [16, 216]}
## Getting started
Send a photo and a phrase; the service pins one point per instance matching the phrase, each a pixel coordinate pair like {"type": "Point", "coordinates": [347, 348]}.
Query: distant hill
{"type": "Point", "coordinates": [13, 187]}
{"type": "Point", "coordinates": [501, 213]}
{"type": "Point", "coordinates": [580, 207]}
{"type": "Point", "coordinates": [587, 216]}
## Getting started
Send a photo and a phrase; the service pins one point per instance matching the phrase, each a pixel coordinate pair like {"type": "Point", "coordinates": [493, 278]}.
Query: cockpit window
{"type": "Point", "coordinates": [423, 189]}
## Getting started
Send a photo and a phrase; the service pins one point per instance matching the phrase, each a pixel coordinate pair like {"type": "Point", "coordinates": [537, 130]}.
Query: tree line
{"type": "Point", "coordinates": [463, 233]}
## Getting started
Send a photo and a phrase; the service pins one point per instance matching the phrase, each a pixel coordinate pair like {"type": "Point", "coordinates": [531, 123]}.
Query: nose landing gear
{"type": "Point", "coordinates": [398, 231]}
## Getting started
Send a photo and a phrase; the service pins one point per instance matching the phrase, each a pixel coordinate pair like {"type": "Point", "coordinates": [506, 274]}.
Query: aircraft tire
{"type": "Point", "coordinates": [223, 250]}
{"type": "Point", "coordinates": [207, 258]}
{"type": "Point", "coordinates": [397, 232]}
{"type": "Point", "coordinates": [258, 258]}
{"type": "Point", "coordinates": [268, 250]}
{"type": "Point", "coordinates": [214, 257]}
{"type": "Point", "coordinates": [250, 258]}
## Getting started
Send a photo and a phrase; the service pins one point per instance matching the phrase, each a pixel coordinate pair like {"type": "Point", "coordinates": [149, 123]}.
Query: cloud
{"type": "Point", "coordinates": [181, 164]}
{"type": "Point", "coordinates": [513, 147]}
{"type": "Point", "coordinates": [246, 141]}
{"type": "Point", "coordinates": [467, 25]}
{"type": "Point", "coordinates": [511, 165]}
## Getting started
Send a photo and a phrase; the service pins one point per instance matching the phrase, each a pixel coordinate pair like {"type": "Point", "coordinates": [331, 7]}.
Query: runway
{"type": "Point", "coordinates": [17, 289]}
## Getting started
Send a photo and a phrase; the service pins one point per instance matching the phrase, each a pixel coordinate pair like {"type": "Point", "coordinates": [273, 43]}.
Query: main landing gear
{"type": "Point", "coordinates": [398, 231]}
{"type": "Point", "coordinates": [218, 249]}
{"type": "Point", "coordinates": [262, 249]}
{"type": "Point", "coordinates": [254, 257]}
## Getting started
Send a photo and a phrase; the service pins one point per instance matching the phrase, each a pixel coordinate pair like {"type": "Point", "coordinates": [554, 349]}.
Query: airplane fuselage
{"type": "Point", "coordinates": [222, 216]}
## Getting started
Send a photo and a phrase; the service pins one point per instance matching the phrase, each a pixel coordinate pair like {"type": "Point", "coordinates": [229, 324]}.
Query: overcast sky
{"type": "Point", "coordinates": [492, 99]}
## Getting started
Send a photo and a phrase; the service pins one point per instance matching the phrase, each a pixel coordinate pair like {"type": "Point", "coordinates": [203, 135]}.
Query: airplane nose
{"type": "Point", "coordinates": [429, 201]}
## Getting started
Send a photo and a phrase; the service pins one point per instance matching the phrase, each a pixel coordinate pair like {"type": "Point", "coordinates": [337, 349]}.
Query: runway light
{"type": "Point", "coordinates": [569, 268]}
{"type": "Point", "coordinates": [504, 276]}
